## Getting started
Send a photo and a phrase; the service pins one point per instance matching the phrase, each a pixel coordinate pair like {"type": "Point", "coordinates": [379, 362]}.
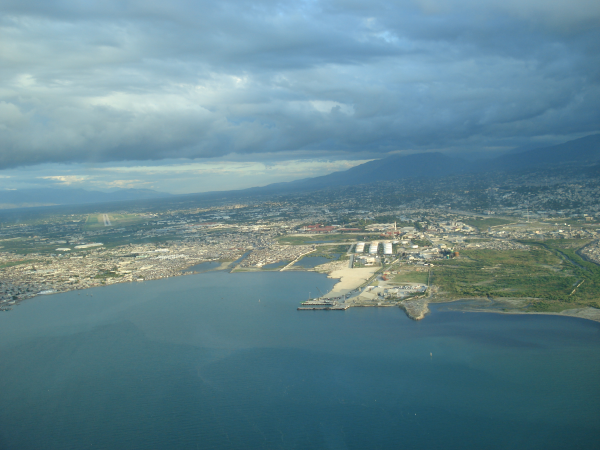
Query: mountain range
{"type": "Point", "coordinates": [584, 152]}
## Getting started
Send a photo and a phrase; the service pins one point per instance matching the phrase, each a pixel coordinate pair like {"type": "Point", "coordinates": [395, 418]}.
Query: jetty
{"type": "Point", "coordinates": [318, 301]}
{"type": "Point", "coordinates": [323, 308]}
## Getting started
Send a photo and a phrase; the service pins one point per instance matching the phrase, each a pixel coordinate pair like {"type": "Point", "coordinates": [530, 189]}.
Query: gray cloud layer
{"type": "Point", "coordinates": [147, 80]}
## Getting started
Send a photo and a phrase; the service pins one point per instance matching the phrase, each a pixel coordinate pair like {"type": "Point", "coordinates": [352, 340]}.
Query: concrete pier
{"type": "Point", "coordinates": [326, 308]}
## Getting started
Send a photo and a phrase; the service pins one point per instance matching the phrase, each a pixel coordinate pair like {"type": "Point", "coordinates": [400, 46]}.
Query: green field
{"type": "Point", "coordinates": [547, 274]}
{"type": "Point", "coordinates": [421, 242]}
{"type": "Point", "coordinates": [483, 224]}
{"type": "Point", "coordinates": [16, 263]}
{"type": "Point", "coordinates": [578, 223]}
{"type": "Point", "coordinates": [92, 221]}
{"type": "Point", "coordinates": [330, 251]}
{"type": "Point", "coordinates": [25, 246]}
{"type": "Point", "coordinates": [95, 221]}
{"type": "Point", "coordinates": [411, 277]}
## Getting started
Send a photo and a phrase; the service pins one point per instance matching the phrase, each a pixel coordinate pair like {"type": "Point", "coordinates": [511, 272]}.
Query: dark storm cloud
{"type": "Point", "coordinates": [147, 80]}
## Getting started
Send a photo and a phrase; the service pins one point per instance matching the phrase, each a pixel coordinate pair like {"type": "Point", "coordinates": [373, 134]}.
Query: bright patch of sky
{"type": "Point", "coordinates": [176, 177]}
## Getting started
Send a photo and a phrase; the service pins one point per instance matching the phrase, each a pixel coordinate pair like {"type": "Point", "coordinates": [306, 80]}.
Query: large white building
{"type": "Point", "coordinates": [387, 248]}
{"type": "Point", "coordinates": [373, 248]}
{"type": "Point", "coordinates": [360, 247]}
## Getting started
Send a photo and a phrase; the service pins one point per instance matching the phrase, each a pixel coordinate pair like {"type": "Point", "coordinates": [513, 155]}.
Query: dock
{"type": "Point", "coordinates": [318, 302]}
{"type": "Point", "coordinates": [326, 308]}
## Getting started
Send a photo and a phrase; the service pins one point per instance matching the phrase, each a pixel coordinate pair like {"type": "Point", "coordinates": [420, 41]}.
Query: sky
{"type": "Point", "coordinates": [191, 96]}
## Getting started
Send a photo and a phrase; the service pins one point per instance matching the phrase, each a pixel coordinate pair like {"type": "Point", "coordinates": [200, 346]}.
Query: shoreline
{"type": "Point", "coordinates": [418, 308]}
{"type": "Point", "coordinates": [415, 308]}
{"type": "Point", "coordinates": [349, 279]}
{"type": "Point", "coordinates": [586, 313]}
{"type": "Point", "coordinates": [595, 317]}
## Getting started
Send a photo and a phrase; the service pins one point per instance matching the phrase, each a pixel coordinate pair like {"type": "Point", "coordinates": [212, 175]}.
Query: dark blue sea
{"type": "Point", "coordinates": [225, 361]}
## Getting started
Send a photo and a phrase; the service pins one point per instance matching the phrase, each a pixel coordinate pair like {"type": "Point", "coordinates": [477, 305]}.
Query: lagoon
{"type": "Point", "coordinates": [204, 266]}
{"type": "Point", "coordinates": [310, 262]}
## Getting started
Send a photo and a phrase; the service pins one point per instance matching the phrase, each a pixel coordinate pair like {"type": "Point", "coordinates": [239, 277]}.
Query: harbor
{"type": "Point", "coordinates": [323, 303]}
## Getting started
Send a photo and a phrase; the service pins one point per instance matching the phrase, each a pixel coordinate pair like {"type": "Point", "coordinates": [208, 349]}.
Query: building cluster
{"type": "Point", "coordinates": [50, 273]}
{"type": "Point", "coordinates": [494, 244]}
{"type": "Point", "coordinates": [274, 254]}
{"type": "Point", "coordinates": [319, 229]}
{"type": "Point", "coordinates": [384, 294]}
{"type": "Point", "coordinates": [543, 231]}
{"type": "Point", "coordinates": [592, 252]}
{"type": "Point", "coordinates": [63, 253]}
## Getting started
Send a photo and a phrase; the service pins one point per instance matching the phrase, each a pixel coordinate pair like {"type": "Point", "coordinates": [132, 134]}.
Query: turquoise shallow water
{"type": "Point", "coordinates": [199, 362]}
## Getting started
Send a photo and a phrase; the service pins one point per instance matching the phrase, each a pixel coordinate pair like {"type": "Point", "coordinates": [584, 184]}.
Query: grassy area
{"type": "Point", "coordinates": [587, 273]}
{"type": "Point", "coordinates": [577, 223]}
{"type": "Point", "coordinates": [96, 221]}
{"type": "Point", "coordinates": [92, 221]}
{"type": "Point", "coordinates": [411, 277]}
{"type": "Point", "coordinates": [421, 242]}
{"type": "Point", "coordinates": [330, 251]}
{"type": "Point", "coordinates": [25, 246]}
{"type": "Point", "coordinates": [483, 224]}
{"type": "Point", "coordinates": [547, 274]}
{"type": "Point", "coordinates": [294, 240]}
{"type": "Point", "coordinates": [17, 263]}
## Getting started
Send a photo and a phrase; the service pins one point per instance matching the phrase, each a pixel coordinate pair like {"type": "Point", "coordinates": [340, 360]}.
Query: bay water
{"type": "Point", "coordinates": [225, 361]}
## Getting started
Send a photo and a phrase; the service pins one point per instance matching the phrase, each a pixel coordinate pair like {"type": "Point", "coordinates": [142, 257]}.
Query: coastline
{"type": "Point", "coordinates": [418, 308]}
{"type": "Point", "coordinates": [415, 308]}
{"type": "Point", "coordinates": [349, 279]}
{"type": "Point", "coordinates": [587, 313]}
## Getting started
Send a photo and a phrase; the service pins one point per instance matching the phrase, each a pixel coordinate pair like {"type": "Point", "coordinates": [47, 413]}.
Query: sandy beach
{"type": "Point", "coordinates": [349, 278]}
{"type": "Point", "coordinates": [417, 309]}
